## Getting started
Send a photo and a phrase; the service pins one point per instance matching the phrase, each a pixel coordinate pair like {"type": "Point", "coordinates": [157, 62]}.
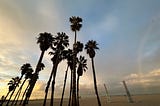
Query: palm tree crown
{"type": "Point", "coordinates": [45, 40]}
{"type": "Point", "coordinates": [75, 23]}
{"type": "Point", "coordinates": [25, 68]}
{"type": "Point", "coordinates": [91, 46]}
{"type": "Point", "coordinates": [60, 41]}
{"type": "Point", "coordinates": [28, 74]}
{"type": "Point", "coordinates": [82, 65]}
{"type": "Point", "coordinates": [59, 44]}
{"type": "Point", "coordinates": [12, 84]}
{"type": "Point", "coordinates": [78, 47]}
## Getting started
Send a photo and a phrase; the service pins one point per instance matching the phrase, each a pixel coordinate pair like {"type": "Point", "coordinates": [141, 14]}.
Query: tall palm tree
{"type": "Point", "coordinates": [59, 44]}
{"type": "Point", "coordinates": [70, 63]}
{"type": "Point", "coordinates": [75, 26]}
{"type": "Point", "coordinates": [78, 48]}
{"type": "Point", "coordinates": [45, 41]}
{"type": "Point", "coordinates": [15, 82]}
{"type": "Point", "coordinates": [26, 89]}
{"type": "Point", "coordinates": [68, 55]}
{"type": "Point", "coordinates": [91, 46]}
{"type": "Point", "coordinates": [10, 88]}
{"type": "Point", "coordinates": [64, 85]}
{"type": "Point", "coordinates": [24, 70]}
{"type": "Point", "coordinates": [82, 66]}
{"type": "Point", "coordinates": [27, 75]}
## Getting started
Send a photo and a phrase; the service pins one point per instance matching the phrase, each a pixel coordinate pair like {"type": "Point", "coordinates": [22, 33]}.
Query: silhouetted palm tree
{"type": "Point", "coordinates": [10, 88]}
{"type": "Point", "coordinates": [75, 26]}
{"type": "Point", "coordinates": [15, 81]}
{"type": "Point", "coordinates": [45, 41]}
{"type": "Point", "coordinates": [41, 66]}
{"type": "Point", "coordinates": [28, 74]}
{"type": "Point", "coordinates": [24, 70]}
{"type": "Point", "coordinates": [90, 47]}
{"type": "Point", "coordinates": [70, 63]}
{"type": "Point", "coordinates": [78, 48]}
{"type": "Point", "coordinates": [59, 44]}
{"type": "Point", "coordinates": [68, 55]}
{"type": "Point", "coordinates": [26, 89]}
{"type": "Point", "coordinates": [82, 66]}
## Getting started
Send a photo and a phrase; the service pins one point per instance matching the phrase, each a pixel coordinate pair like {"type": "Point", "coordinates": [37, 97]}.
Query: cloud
{"type": "Point", "coordinates": [148, 81]}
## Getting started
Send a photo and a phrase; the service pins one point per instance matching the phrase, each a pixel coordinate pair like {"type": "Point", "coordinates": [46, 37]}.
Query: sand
{"type": "Point", "coordinates": [139, 100]}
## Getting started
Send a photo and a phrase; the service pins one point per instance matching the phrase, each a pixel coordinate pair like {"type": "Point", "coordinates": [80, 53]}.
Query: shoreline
{"type": "Point", "coordinates": [115, 100]}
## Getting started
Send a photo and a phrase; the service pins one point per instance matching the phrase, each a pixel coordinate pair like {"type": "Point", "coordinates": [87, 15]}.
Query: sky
{"type": "Point", "coordinates": [127, 32]}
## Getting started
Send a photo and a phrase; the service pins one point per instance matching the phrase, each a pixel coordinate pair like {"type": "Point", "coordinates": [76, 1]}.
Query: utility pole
{"type": "Point", "coordinates": [130, 100]}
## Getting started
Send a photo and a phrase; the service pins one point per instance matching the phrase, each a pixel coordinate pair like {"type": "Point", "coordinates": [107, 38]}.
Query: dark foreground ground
{"type": "Point", "coordinates": [139, 100]}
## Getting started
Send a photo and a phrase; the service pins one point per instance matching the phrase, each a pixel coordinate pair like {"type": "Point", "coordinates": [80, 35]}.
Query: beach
{"type": "Point", "coordinates": [121, 100]}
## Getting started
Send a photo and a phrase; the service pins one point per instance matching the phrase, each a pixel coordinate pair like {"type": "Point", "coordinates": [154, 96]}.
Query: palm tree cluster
{"type": "Point", "coordinates": [14, 83]}
{"type": "Point", "coordinates": [77, 64]}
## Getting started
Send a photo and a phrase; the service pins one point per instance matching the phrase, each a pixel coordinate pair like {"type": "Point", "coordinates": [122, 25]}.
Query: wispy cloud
{"type": "Point", "coordinates": [150, 78]}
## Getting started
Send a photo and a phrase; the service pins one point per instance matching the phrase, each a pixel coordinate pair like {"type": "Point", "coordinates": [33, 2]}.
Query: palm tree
{"type": "Point", "coordinates": [75, 26]}
{"type": "Point", "coordinates": [70, 63]}
{"type": "Point", "coordinates": [45, 41]}
{"type": "Point", "coordinates": [41, 66]}
{"type": "Point", "coordinates": [24, 70]}
{"type": "Point", "coordinates": [26, 89]}
{"type": "Point", "coordinates": [28, 74]}
{"type": "Point", "coordinates": [59, 44]}
{"type": "Point", "coordinates": [68, 55]}
{"type": "Point", "coordinates": [91, 46]}
{"type": "Point", "coordinates": [15, 81]}
{"type": "Point", "coordinates": [82, 66]}
{"type": "Point", "coordinates": [10, 88]}
{"type": "Point", "coordinates": [78, 48]}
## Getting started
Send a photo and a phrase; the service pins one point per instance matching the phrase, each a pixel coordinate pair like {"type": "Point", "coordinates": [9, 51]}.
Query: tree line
{"type": "Point", "coordinates": [60, 51]}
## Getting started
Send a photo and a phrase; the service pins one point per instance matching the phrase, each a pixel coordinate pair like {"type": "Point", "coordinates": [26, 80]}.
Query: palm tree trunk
{"type": "Point", "coordinates": [33, 79]}
{"type": "Point", "coordinates": [5, 98]}
{"type": "Point", "coordinates": [38, 67]}
{"type": "Point", "coordinates": [7, 95]}
{"type": "Point", "coordinates": [64, 86]}
{"type": "Point", "coordinates": [13, 91]}
{"type": "Point", "coordinates": [10, 98]}
{"type": "Point", "coordinates": [78, 90]}
{"type": "Point", "coordinates": [47, 88]}
{"type": "Point", "coordinates": [69, 103]}
{"type": "Point", "coordinates": [18, 92]}
{"type": "Point", "coordinates": [75, 37]}
{"type": "Point", "coordinates": [24, 93]}
{"type": "Point", "coordinates": [95, 82]}
{"type": "Point", "coordinates": [74, 98]}
{"type": "Point", "coordinates": [18, 97]}
{"type": "Point", "coordinates": [53, 84]}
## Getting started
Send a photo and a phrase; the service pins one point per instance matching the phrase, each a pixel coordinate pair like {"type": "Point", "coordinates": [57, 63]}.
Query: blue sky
{"type": "Point", "coordinates": [127, 32]}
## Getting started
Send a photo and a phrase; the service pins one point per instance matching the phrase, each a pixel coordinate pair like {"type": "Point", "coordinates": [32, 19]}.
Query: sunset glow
{"type": "Point", "coordinates": [127, 31]}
